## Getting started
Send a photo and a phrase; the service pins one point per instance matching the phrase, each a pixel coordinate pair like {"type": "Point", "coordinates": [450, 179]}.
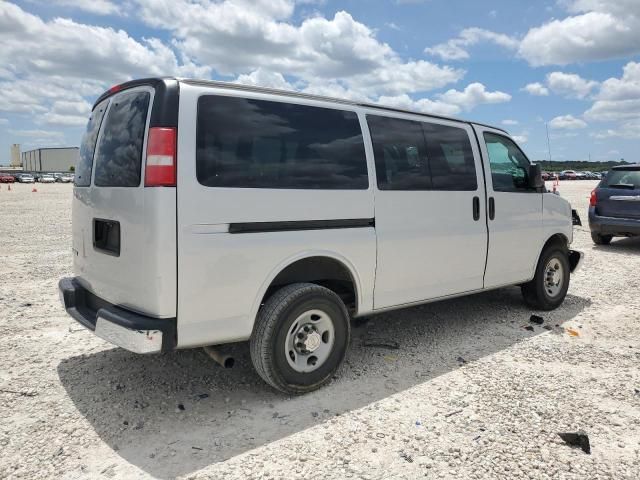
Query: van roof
{"type": "Point", "coordinates": [286, 93]}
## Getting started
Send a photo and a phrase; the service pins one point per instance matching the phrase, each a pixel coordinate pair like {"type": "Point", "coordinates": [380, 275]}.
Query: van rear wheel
{"type": "Point", "coordinates": [549, 286]}
{"type": "Point", "coordinates": [300, 338]}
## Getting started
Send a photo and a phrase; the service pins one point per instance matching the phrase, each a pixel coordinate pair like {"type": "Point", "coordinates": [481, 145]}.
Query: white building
{"type": "Point", "coordinates": [50, 159]}
{"type": "Point", "coordinates": [15, 155]}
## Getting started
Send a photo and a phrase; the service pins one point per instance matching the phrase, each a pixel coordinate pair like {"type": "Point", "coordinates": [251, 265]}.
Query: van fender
{"type": "Point", "coordinates": [301, 256]}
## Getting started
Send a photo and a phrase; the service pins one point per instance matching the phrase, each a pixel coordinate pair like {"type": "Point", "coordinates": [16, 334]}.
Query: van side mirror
{"type": "Point", "coordinates": [535, 176]}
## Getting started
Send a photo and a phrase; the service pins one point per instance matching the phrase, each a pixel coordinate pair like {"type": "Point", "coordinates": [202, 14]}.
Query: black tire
{"type": "Point", "coordinates": [276, 317]}
{"type": "Point", "coordinates": [601, 239]}
{"type": "Point", "coordinates": [535, 292]}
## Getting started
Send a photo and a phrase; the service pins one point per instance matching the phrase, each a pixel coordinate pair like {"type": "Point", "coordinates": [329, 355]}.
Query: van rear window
{"type": "Point", "coordinates": [88, 146]}
{"type": "Point", "coordinates": [245, 143]}
{"type": "Point", "coordinates": [119, 152]}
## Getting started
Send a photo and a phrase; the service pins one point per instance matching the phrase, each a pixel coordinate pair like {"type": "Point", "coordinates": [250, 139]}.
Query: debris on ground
{"type": "Point", "coordinates": [180, 407]}
{"type": "Point", "coordinates": [547, 327]}
{"type": "Point", "coordinates": [15, 392]}
{"type": "Point", "coordinates": [577, 440]}
{"type": "Point", "coordinates": [455, 412]}
{"type": "Point", "coordinates": [202, 396]}
{"type": "Point", "coordinates": [538, 320]}
{"type": "Point", "coordinates": [408, 458]}
{"type": "Point", "coordinates": [461, 360]}
{"type": "Point", "coordinates": [393, 345]}
{"type": "Point", "coordinates": [571, 332]}
{"type": "Point", "coordinates": [530, 328]}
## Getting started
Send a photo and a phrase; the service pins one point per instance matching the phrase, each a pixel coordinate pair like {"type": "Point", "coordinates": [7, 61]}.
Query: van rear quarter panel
{"type": "Point", "coordinates": [222, 277]}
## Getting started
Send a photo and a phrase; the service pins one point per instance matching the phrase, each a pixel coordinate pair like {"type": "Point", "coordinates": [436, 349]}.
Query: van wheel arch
{"type": "Point", "coordinates": [321, 270]}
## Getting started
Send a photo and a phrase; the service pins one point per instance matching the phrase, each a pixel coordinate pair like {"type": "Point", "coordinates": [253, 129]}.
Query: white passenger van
{"type": "Point", "coordinates": [206, 213]}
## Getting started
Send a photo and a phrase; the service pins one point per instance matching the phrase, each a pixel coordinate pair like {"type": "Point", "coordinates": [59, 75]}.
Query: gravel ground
{"type": "Point", "coordinates": [469, 394]}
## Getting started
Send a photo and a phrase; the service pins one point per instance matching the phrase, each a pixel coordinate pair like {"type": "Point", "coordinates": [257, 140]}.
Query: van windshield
{"type": "Point", "coordinates": [88, 145]}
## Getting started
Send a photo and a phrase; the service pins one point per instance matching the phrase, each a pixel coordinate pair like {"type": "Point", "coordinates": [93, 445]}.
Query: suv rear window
{"type": "Point", "coordinates": [119, 153]}
{"type": "Point", "coordinates": [246, 143]}
{"type": "Point", "coordinates": [622, 179]}
{"type": "Point", "coordinates": [88, 145]}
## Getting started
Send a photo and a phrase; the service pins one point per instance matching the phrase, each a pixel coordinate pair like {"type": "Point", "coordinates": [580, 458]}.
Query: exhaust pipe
{"type": "Point", "coordinates": [222, 359]}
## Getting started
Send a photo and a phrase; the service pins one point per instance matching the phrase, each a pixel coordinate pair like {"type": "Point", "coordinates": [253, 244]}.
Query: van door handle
{"type": "Point", "coordinates": [492, 208]}
{"type": "Point", "coordinates": [476, 208]}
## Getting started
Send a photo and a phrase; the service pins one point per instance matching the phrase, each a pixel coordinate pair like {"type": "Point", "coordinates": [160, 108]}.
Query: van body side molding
{"type": "Point", "coordinates": [296, 225]}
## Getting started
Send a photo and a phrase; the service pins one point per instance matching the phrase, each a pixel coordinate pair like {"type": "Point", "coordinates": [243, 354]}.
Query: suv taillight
{"type": "Point", "coordinates": [594, 199]}
{"type": "Point", "coordinates": [160, 170]}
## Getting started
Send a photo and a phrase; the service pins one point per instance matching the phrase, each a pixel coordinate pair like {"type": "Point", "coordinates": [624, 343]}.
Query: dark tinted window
{"type": "Point", "coordinates": [88, 146]}
{"type": "Point", "coordinates": [414, 155]}
{"type": "Point", "coordinates": [509, 166]}
{"type": "Point", "coordinates": [622, 179]}
{"type": "Point", "coordinates": [450, 158]}
{"type": "Point", "coordinates": [400, 153]}
{"type": "Point", "coordinates": [246, 143]}
{"type": "Point", "coordinates": [119, 153]}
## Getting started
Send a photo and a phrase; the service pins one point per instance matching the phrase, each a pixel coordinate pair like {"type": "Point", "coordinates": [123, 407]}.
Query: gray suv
{"type": "Point", "coordinates": [614, 208]}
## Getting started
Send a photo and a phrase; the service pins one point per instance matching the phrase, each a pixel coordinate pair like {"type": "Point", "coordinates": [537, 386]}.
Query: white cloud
{"type": "Point", "coordinates": [598, 30]}
{"type": "Point", "coordinates": [619, 98]}
{"type": "Point", "coordinates": [99, 7]}
{"type": "Point", "coordinates": [240, 36]}
{"type": "Point", "coordinates": [570, 85]}
{"type": "Point", "coordinates": [520, 138]}
{"type": "Point", "coordinates": [567, 122]}
{"type": "Point", "coordinates": [423, 105]}
{"type": "Point", "coordinates": [265, 78]}
{"type": "Point", "coordinates": [510, 122]}
{"type": "Point", "coordinates": [629, 130]}
{"type": "Point", "coordinates": [35, 47]}
{"type": "Point", "coordinates": [474, 94]}
{"type": "Point", "coordinates": [536, 89]}
{"type": "Point", "coordinates": [457, 48]}
{"type": "Point", "coordinates": [69, 113]}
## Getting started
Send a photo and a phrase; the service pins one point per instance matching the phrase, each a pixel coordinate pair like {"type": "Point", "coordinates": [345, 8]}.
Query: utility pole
{"type": "Point", "coordinates": [548, 141]}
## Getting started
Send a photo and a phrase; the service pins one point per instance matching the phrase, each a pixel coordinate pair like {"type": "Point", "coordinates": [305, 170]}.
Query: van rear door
{"type": "Point", "coordinates": [124, 234]}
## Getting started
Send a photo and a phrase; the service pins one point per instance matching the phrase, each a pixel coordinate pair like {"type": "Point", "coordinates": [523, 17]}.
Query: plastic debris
{"type": "Point", "coordinates": [577, 440]}
{"type": "Point", "coordinates": [538, 320]}
{"type": "Point", "coordinates": [572, 332]}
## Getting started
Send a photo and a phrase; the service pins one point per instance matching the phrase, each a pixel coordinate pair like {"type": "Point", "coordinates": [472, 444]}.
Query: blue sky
{"type": "Point", "coordinates": [571, 64]}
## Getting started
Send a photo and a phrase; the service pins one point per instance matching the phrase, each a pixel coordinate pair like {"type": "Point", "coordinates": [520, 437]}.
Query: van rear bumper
{"type": "Point", "coordinates": [131, 331]}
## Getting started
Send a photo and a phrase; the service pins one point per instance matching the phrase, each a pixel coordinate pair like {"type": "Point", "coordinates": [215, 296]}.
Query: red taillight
{"type": "Point", "coordinates": [160, 170]}
{"type": "Point", "coordinates": [594, 199]}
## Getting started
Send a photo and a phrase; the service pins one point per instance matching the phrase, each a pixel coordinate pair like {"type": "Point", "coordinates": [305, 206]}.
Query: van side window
{"type": "Point", "coordinates": [414, 155]}
{"type": "Point", "coordinates": [246, 143]}
{"type": "Point", "coordinates": [400, 153]}
{"type": "Point", "coordinates": [509, 166]}
{"type": "Point", "coordinates": [450, 158]}
{"type": "Point", "coordinates": [88, 146]}
{"type": "Point", "coordinates": [119, 153]}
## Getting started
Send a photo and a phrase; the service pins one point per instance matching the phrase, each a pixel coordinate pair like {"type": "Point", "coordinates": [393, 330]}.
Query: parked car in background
{"type": "Point", "coordinates": [47, 179]}
{"type": "Point", "coordinates": [322, 210]}
{"type": "Point", "coordinates": [65, 178]}
{"type": "Point", "coordinates": [614, 207]}
{"type": "Point", "coordinates": [26, 178]}
{"type": "Point", "coordinates": [568, 175]}
{"type": "Point", "coordinates": [6, 178]}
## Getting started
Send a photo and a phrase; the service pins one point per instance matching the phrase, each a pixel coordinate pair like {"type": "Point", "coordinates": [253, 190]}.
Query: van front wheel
{"type": "Point", "coordinates": [549, 287]}
{"type": "Point", "coordinates": [300, 338]}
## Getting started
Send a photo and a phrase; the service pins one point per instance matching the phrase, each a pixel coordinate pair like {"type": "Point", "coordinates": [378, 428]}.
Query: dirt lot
{"type": "Point", "coordinates": [469, 394]}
